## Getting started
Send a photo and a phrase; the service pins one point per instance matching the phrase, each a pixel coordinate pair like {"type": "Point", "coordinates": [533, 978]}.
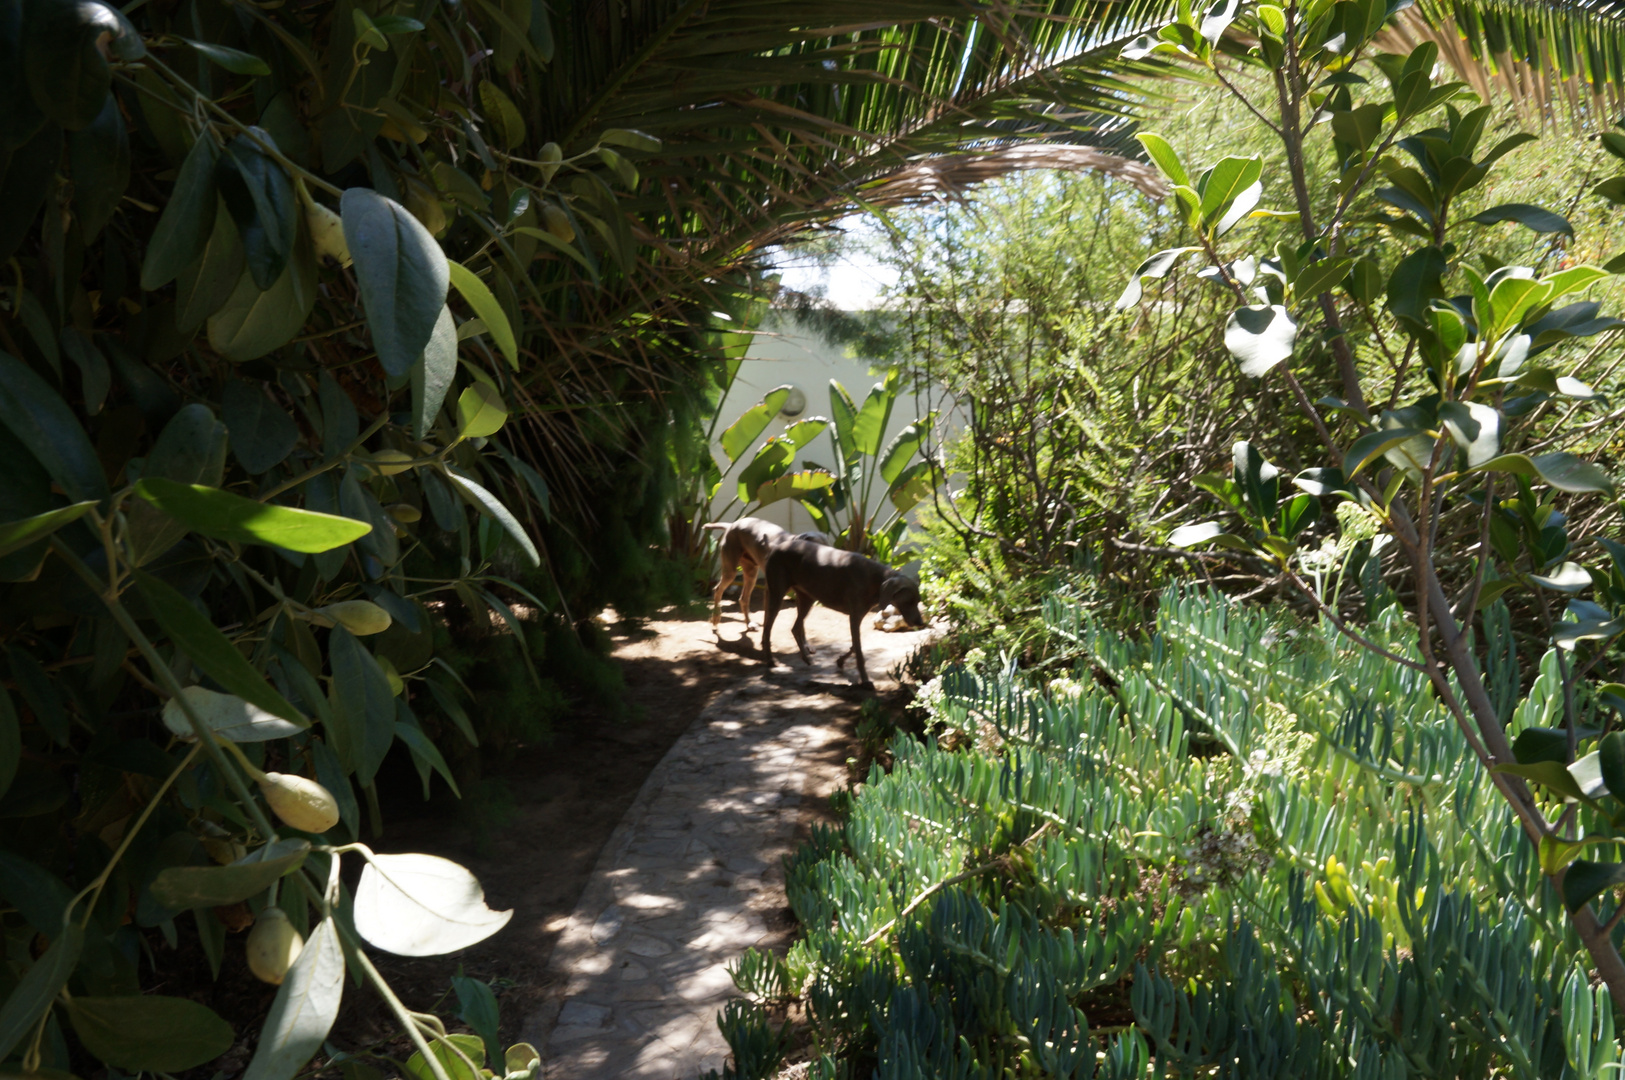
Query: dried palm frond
{"type": "Point", "coordinates": [949, 176]}
{"type": "Point", "coordinates": [1556, 62]}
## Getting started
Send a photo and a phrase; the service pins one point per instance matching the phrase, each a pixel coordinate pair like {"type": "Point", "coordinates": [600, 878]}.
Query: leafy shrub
{"type": "Point", "coordinates": [255, 382]}
{"type": "Point", "coordinates": [903, 469]}
{"type": "Point", "coordinates": [1455, 430]}
{"type": "Point", "coordinates": [1239, 842]}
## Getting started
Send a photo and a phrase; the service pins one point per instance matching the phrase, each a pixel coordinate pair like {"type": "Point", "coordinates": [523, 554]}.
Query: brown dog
{"type": "Point", "coordinates": [744, 546]}
{"type": "Point", "coordinates": [847, 582]}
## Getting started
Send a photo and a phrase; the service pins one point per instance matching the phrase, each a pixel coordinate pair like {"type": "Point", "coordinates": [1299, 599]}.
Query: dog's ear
{"type": "Point", "coordinates": [894, 585]}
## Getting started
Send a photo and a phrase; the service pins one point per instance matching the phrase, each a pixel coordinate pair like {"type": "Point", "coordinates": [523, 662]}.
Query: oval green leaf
{"type": "Point", "coordinates": [253, 323]}
{"type": "Point", "coordinates": [402, 274]}
{"type": "Point", "coordinates": [39, 987]}
{"type": "Point", "coordinates": [490, 505]}
{"type": "Point", "coordinates": [181, 887]}
{"type": "Point", "coordinates": [305, 1007]}
{"type": "Point", "coordinates": [1561, 470]}
{"type": "Point", "coordinates": [15, 535]}
{"type": "Point", "coordinates": [1586, 879]}
{"type": "Point", "coordinates": [422, 905]}
{"type": "Point", "coordinates": [262, 434]}
{"type": "Point", "coordinates": [260, 197]}
{"type": "Point", "coordinates": [149, 1032]}
{"type": "Point", "coordinates": [631, 138]}
{"type": "Point", "coordinates": [363, 703]}
{"type": "Point", "coordinates": [472, 1046]}
{"type": "Point", "coordinates": [503, 115]}
{"type": "Point", "coordinates": [1534, 218]}
{"type": "Point", "coordinates": [191, 450]}
{"type": "Point", "coordinates": [480, 411]}
{"type": "Point", "coordinates": [66, 72]}
{"type": "Point", "coordinates": [211, 650]}
{"type": "Point", "coordinates": [225, 516]}
{"type": "Point", "coordinates": [203, 287]}
{"type": "Point", "coordinates": [227, 715]}
{"type": "Point", "coordinates": [42, 421]}
{"type": "Point", "coordinates": [485, 305]}
{"type": "Point", "coordinates": [1260, 337]}
{"type": "Point", "coordinates": [1372, 445]}
{"type": "Point", "coordinates": [233, 60]}
{"type": "Point", "coordinates": [433, 373]}
{"type": "Point", "coordinates": [184, 227]}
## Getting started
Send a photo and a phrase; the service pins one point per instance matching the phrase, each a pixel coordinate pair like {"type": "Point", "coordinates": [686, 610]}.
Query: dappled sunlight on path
{"type": "Point", "coordinates": [693, 876]}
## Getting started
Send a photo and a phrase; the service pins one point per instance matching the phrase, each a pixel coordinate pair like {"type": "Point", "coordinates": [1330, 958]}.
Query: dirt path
{"type": "Point", "coordinates": [570, 798]}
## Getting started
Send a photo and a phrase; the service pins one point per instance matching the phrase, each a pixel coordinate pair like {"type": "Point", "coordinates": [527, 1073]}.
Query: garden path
{"type": "Point", "coordinates": [692, 876]}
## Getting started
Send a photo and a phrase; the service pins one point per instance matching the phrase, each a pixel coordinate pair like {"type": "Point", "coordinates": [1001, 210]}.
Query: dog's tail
{"type": "Point", "coordinates": [718, 525]}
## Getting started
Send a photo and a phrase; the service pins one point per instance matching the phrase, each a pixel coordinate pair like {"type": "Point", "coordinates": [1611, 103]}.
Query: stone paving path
{"type": "Point", "coordinates": [693, 874]}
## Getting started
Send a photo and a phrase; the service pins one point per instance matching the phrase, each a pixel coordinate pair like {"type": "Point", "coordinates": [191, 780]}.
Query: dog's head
{"type": "Point", "coordinates": [903, 593]}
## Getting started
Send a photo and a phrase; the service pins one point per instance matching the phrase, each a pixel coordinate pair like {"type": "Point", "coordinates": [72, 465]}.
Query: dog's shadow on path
{"type": "Point", "coordinates": [739, 646]}
{"type": "Point", "coordinates": [786, 668]}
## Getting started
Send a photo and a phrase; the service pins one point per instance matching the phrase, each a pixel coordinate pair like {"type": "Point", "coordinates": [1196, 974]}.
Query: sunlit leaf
{"type": "Point", "coordinates": [422, 905]}
{"type": "Point", "coordinates": [471, 1046]}
{"type": "Point", "coordinates": [480, 411]}
{"type": "Point", "coordinates": [485, 305]}
{"type": "Point", "coordinates": [1260, 337]}
{"type": "Point", "coordinates": [15, 535]}
{"type": "Point", "coordinates": [752, 422]}
{"type": "Point", "coordinates": [224, 516]}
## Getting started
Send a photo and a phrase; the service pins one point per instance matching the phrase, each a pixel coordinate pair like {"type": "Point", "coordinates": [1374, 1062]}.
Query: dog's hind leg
{"type": "Point", "coordinates": [727, 559]}
{"type": "Point", "coordinates": [746, 587]}
{"type": "Point", "coordinates": [775, 596]}
{"type": "Point", "coordinates": [724, 579]}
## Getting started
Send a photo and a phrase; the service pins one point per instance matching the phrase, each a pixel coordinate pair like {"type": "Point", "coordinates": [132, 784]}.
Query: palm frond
{"type": "Point", "coordinates": [771, 117]}
{"type": "Point", "coordinates": [767, 112]}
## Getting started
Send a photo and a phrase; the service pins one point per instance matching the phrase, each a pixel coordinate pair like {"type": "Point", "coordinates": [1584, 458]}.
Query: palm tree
{"type": "Point", "coordinates": [764, 118]}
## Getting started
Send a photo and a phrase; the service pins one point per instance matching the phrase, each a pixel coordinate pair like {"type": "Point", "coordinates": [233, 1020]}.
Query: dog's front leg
{"type": "Point", "coordinates": [804, 604]}
{"type": "Point", "coordinates": [857, 649]}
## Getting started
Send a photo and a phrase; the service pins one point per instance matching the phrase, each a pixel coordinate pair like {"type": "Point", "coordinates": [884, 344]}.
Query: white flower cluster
{"type": "Point", "coordinates": [931, 696]}
{"type": "Point", "coordinates": [1283, 747]}
{"type": "Point", "coordinates": [1324, 559]}
{"type": "Point", "coordinates": [1064, 689]}
{"type": "Point", "coordinates": [1355, 523]}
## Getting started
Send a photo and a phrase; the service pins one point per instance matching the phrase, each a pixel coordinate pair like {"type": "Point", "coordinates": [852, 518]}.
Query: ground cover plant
{"type": "Point", "coordinates": [1241, 843]}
